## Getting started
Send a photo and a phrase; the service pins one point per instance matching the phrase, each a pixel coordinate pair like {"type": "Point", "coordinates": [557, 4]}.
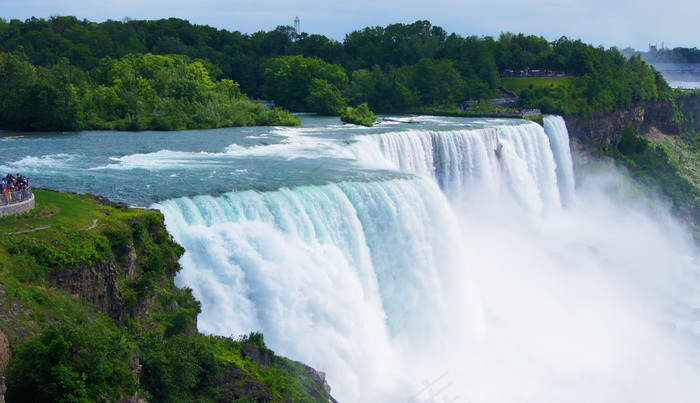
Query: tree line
{"type": "Point", "coordinates": [666, 55]}
{"type": "Point", "coordinates": [136, 92]}
{"type": "Point", "coordinates": [397, 68]}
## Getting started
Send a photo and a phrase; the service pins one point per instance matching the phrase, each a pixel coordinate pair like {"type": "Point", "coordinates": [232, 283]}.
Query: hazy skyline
{"type": "Point", "coordinates": [608, 23]}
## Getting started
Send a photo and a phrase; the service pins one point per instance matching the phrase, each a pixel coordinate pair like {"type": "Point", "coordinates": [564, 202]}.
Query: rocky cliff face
{"type": "Point", "coordinates": [689, 108]}
{"type": "Point", "coordinates": [4, 352]}
{"type": "Point", "coordinates": [605, 128]}
{"type": "Point", "coordinates": [4, 360]}
{"type": "Point", "coordinates": [98, 284]}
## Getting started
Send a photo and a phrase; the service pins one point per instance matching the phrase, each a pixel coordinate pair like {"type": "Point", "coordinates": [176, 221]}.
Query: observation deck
{"type": "Point", "coordinates": [16, 202]}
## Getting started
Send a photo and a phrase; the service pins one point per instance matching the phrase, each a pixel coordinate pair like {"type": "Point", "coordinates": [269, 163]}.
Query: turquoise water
{"type": "Point", "coordinates": [142, 168]}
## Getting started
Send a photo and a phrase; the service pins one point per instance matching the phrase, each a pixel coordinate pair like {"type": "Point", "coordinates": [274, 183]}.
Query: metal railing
{"type": "Point", "coordinates": [8, 198]}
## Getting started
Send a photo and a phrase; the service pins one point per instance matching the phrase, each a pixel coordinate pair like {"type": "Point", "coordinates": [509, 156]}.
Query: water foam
{"type": "Point", "coordinates": [31, 164]}
{"type": "Point", "coordinates": [470, 162]}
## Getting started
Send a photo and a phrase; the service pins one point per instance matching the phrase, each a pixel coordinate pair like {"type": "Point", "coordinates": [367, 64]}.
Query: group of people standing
{"type": "Point", "coordinates": [14, 189]}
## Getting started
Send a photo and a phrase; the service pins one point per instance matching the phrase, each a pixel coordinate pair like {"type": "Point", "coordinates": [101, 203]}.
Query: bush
{"type": "Point", "coordinates": [177, 369]}
{"type": "Point", "coordinates": [71, 362]}
{"type": "Point", "coordinates": [359, 116]}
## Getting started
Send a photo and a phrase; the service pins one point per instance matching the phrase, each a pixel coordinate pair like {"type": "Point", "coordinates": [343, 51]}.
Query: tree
{"type": "Point", "coordinates": [16, 76]}
{"type": "Point", "coordinates": [435, 82]}
{"type": "Point", "coordinates": [72, 362]}
{"type": "Point", "coordinates": [359, 116]}
{"type": "Point", "coordinates": [325, 98]}
{"type": "Point", "coordinates": [381, 90]}
{"type": "Point", "coordinates": [289, 79]}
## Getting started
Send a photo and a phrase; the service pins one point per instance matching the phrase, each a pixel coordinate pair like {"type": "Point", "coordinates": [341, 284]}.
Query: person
{"type": "Point", "coordinates": [14, 189]}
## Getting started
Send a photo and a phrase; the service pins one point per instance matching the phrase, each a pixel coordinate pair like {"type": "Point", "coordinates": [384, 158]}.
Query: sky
{"type": "Point", "coordinates": [607, 23]}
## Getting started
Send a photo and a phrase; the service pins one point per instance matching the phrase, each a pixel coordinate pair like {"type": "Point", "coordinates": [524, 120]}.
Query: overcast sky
{"type": "Point", "coordinates": [609, 23]}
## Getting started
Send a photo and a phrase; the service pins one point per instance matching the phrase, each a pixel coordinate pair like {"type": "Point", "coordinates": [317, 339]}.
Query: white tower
{"type": "Point", "coordinates": [297, 25]}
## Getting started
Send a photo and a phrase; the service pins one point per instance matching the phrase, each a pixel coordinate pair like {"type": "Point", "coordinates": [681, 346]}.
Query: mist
{"type": "Point", "coordinates": [593, 303]}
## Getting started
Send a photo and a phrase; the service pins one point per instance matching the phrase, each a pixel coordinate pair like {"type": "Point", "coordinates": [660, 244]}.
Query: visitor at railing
{"type": "Point", "coordinates": [14, 189]}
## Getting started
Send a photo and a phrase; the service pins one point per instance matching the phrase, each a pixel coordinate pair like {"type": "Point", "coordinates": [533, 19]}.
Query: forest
{"type": "Point", "coordinates": [67, 74]}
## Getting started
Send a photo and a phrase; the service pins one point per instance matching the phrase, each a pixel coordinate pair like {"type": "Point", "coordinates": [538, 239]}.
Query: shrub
{"type": "Point", "coordinates": [71, 362]}
{"type": "Point", "coordinates": [359, 116]}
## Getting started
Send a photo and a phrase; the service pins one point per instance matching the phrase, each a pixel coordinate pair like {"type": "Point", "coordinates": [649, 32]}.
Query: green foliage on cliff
{"type": "Point", "coordinates": [651, 166]}
{"type": "Point", "coordinates": [72, 362]}
{"type": "Point", "coordinates": [87, 295]}
{"type": "Point", "coordinates": [609, 83]}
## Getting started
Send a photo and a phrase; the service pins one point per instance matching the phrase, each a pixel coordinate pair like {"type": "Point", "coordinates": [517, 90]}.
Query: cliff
{"type": "Point", "coordinates": [669, 117]}
{"type": "Point", "coordinates": [89, 311]}
{"type": "Point", "coordinates": [657, 143]}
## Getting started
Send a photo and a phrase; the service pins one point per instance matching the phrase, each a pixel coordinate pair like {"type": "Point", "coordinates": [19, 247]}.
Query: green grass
{"type": "Point", "coordinates": [65, 209]}
{"type": "Point", "coordinates": [517, 84]}
{"type": "Point", "coordinates": [58, 233]}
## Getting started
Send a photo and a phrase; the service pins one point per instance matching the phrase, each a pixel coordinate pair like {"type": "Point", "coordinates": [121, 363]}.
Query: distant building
{"type": "Point", "coordinates": [297, 25]}
{"type": "Point", "coordinates": [652, 48]}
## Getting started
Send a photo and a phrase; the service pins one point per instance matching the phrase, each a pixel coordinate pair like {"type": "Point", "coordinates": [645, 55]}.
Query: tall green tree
{"type": "Point", "coordinates": [289, 79]}
{"type": "Point", "coordinates": [435, 82]}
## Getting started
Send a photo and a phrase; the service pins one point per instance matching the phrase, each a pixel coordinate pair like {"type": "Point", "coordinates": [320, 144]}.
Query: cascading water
{"type": "Point", "coordinates": [471, 160]}
{"type": "Point", "coordinates": [348, 268]}
{"type": "Point", "coordinates": [555, 127]}
{"type": "Point", "coordinates": [447, 284]}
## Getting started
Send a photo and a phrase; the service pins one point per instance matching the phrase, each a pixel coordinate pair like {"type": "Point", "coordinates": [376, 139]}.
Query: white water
{"type": "Point", "coordinates": [488, 292]}
{"type": "Point", "coordinates": [508, 160]}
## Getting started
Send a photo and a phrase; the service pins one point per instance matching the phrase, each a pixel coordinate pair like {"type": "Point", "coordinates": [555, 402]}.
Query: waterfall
{"type": "Point", "coordinates": [555, 127]}
{"type": "Point", "coordinates": [463, 275]}
{"type": "Point", "coordinates": [458, 160]}
{"type": "Point", "coordinates": [465, 162]}
{"type": "Point", "coordinates": [348, 268]}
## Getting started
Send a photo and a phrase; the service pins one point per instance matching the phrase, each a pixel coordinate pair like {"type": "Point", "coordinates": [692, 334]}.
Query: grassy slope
{"type": "Point", "coordinates": [60, 209]}
{"type": "Point", "coordinates": [682, 156]}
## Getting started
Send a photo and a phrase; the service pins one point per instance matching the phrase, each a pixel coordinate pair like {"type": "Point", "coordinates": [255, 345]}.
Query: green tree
{"type": "Point", "coordinates": [289, 79]}
{"type": "Point", "coordinates": [177, 369]}
{"type": "Point", "coordinates": [435, 82]}
{"type": "Point", "coordinates": [16, 77]}
{"type": "Point", "coordinates": [72, 362]}
{"type": "Point", "coordinates": [359, 116]}
{"type": "Point", "coordinates": [325, 98]}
